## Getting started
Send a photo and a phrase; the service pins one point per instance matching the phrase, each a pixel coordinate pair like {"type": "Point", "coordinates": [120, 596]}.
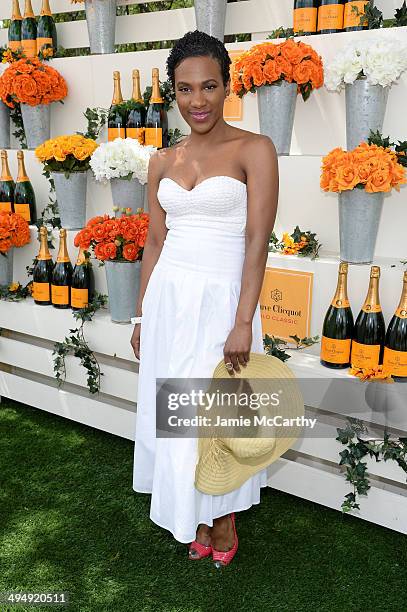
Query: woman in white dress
{"type": "Point", "coordinates": [212, 204]}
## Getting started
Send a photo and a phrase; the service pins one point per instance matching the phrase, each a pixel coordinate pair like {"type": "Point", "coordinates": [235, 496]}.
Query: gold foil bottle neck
{"type": "Point", "coordinates": [375, 272]}
{"type": "Point", "coordinates": [402, 307]}
{"type": "Point", "coordinates": [5, 170]}
{"type": "Point", "coordinates": [372, 301]}
{"type": "Point", "coordinates": [22, 173]}
{"type": "Point", "coordinates": [28, 11]}
{"type": "Point", "coordinates": [45, 9]}
{"type": "Point", "coordinates": [81, 259]}
{"type": "Point", "coordinates": [156, 94]}
{"type": "Point", "coordinates": [136, 95]}
{"type": "Point", "coordinates": [63, 255]}
{"type": "Point", "coordinates": [44, 253]}
{"type": "Point", "coordinates": [117, 91]}
{"type": "Point", "coordinates": [16, 16]}
{"type": "Point", "coordinates": [340, 299]}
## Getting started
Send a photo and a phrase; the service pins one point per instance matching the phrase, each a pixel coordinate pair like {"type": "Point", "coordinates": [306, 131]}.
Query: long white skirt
{"type": "Point", "coordinates": [188, 309]}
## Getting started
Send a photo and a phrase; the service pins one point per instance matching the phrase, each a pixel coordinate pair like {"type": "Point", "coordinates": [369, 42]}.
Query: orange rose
{"type": "Point", "coordinates": [292, 52]}
{"type": "Point", "coordinates": [271, 71]}
{"type": "Point", "coordinates": [284, 67]}
{"type": "Point", "coordinates": [130, 252]}
{"type": "Point", "coordinates": [100, 252]}
{"type": "Point", "coordinates": [99, 232]}
{"type": "Point", "coordinates": [302, 72]}
{"type": "Point", "coordinates": [379, 181]}
{"type": "Point", "coordinates": [110, 250]}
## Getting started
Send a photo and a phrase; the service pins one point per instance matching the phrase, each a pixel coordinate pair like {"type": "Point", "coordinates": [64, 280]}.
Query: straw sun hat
{"type": "Point", "coordinates": [225, 463]}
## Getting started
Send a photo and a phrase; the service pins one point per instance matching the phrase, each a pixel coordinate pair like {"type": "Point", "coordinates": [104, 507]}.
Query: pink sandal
{"type": "Point", "coordinates": [202, 550]}
{"type": "Point", "coordinates": [221, 558]}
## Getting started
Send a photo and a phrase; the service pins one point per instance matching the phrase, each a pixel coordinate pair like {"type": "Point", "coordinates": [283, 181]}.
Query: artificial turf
{"type": "Point", "coordinates": [70, 521]}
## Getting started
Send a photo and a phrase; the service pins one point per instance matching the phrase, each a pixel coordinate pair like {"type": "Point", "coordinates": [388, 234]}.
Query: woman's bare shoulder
{"type": "Point", "coordinates": [162, 159]}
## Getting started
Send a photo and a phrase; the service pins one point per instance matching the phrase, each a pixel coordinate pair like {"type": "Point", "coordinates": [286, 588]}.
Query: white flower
{"type": "Point", "coordinates": [380, 61]}
{"type": "Point", "coordinates": [121, 158]}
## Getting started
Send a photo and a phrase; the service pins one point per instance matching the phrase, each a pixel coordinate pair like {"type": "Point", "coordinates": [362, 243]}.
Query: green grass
{"type": "Point", "coordinates": [70, 521]}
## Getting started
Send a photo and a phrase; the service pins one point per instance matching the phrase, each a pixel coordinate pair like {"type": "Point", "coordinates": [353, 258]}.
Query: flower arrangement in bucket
{"type": "Point", "coordinates": [277, 72]}
{"type": "Point", "coordinates": [14, 232]}
{"type": "Point", "coordinates": [66, 159]}
{"type": "Point", "coordinates": [361, 177]}
{"type": "Point", "coordinates": [34, 85]}
{"type": "Point", "coordinates": [123, 162]}
{"type": "Point", "coordinates": [366, 69]}
{"type": "Point", "coordinates": [101, 22]}
{"type": "Point", "coordinates": [118, 243]}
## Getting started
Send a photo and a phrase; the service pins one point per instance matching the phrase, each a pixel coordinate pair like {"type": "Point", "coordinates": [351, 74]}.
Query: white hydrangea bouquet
{"type": "Point", "coordinates": [381, 61]}
{"type": "Point", "coordinates": [121, 159]}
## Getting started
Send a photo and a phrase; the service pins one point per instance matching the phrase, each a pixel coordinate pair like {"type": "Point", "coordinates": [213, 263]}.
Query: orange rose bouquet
{"type": "Point", "coordinates": [269, 64]}
{"type": "Point", "coordinates": [66, 154]}
{"type": "Point", "coordinates": [29, 81]}
{"type": "Point", "coordinates": [115, 238]}
{"type": "Point", "coordinates": [14, 231]}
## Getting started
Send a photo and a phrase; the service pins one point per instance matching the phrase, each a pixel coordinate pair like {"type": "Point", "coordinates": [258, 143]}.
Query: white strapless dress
{"type": "Point", "coordinates": [189, 309]}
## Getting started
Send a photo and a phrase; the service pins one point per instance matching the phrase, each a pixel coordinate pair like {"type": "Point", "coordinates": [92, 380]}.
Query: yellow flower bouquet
{"type": "Point", "coordinates": [66, 154]}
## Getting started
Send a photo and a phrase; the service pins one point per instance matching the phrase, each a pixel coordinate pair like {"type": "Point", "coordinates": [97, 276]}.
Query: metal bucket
{"type": "Point", "coordinates": [6, 267]}
{"type": "Point", "coordinates": [37, 122]}
{"type": "Point", "coordinates": [127, 194]}
{"type": "Point", "coordinates": [4, 126]}
{"type": "Point", "coordinates": [276, 104]}
{"type": "Point", "coordinates": [359, 218]}
{"type": "Point", "coordinates": [123, 285]}
{"type": "Point", "coordinates": [210, 17]}
{"type": "Point", "coordinates": [365, 110]}
{"type": "Point", "coordinates": [101, 20]}
{"type": "Point", "coordinates": [71, 197]}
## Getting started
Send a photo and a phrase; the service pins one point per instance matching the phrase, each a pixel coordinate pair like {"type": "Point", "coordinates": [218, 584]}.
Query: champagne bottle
{"type": "Point", "coordinates": [14, 31]}
{"type": "Point", "coordinates": [117, 114]}
{"type": "Point", "coordinates": [395, 346]}
{"type": "Point", "coordinates": [330, 16]}
{"type": "Point", "coordinates": [46, 31]}
{"type": "Point", "coordinates": [7, 186]}
{"type": "Point", "coordinates": [82, 282]}
{"type": "Point", "coordinates": [62, 275]}
{"type": "Point", "coordinates": [29, 31]}
{"type": "Point", "coordinates": [351, 21]}
{"type": "Point", "coordinates": [338, 326]}
{"type": "Point", "coordinates": [369, 331]}
{"type": "Point", "coordinates": [305, 16]}
{"type": "Point", "coordinates": [24, 196]}
{"type": "Point", "coordinates": [156, 132]}
{"type": "Point", "coordinates": [42, 273]}
{"type": "Point", "coordinates": [136, 120]}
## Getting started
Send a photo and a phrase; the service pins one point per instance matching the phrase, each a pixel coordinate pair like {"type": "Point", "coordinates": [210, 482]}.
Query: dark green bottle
{"type": "Point", "coordinates": [156, 132]}
{"type": "Point", "coordinates": [82, 288]}
{"type": "Point", "coordinates": [136, 120]}
{"type": "Point", "coordinates": [330, 16]}
{"type": "Point", "coordinates": [117, 118]}
{"type": "Point", "coordinates": [24, 196]}
{"type": "Point", "coordinates": [62, 275]}
{"type": "Point", "coordinates": [395, 346]}
{"type": "Point", "coordinates": [7, 186]}
{"type": "Point", "coordinates": [351, 21]}
{"type": "Point", "coordinates": [14, 31]}
{"type": "Point", "coordinates": [42, 273]}
{"type": "Point", "coordinates": [29, 31]}
{"type": "Point", "coordinates": [46, 30]}
{"type": "Point", "coordinates": [305, 17]}
{"type": "Point", "coordinates": [338, 326]}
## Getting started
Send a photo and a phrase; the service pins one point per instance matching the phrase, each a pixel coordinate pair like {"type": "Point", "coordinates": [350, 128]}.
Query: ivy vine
{"type": "Point", "coordinates": [275, 346]}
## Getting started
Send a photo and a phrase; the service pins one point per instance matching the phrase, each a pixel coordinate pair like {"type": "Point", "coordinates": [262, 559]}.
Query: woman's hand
{"type": "Point", "coordinates": [135, 340]}
{"type": "Point", "coordinates": [237, 346]}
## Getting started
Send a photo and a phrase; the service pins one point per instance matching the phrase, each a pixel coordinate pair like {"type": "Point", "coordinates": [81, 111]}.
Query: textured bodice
{"type": "Point", "coordinates": [218, 202]}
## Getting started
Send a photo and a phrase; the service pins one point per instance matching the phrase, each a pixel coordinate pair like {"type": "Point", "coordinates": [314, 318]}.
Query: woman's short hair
{"type": "Point", "coordinates": [198, 44]}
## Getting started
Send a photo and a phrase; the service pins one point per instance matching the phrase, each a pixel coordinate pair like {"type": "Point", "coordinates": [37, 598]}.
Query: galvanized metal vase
{"type": "Point", "coordinates": [71, 197]}
{"type": "Point", "coordinates": [4, 126]}
{"type": "Point", "coordinates": [276, 104]}
{"type": "Point", "coordinates": [37, 121]}
{"type": "Point", "coordinates": [365, 110]}
{"type": "Point", "coordinates": [123, 285]}
{"type": "Point", "coordinates": [101, 20]}
{"type": "Point", "coordinates": [210, 17]}
{"type": "Point", "coordinates": [127, 194]}
{"type": "Point", "coordinates": [6, 267]}
{"type": "Point", "coordinates": [359, 218]}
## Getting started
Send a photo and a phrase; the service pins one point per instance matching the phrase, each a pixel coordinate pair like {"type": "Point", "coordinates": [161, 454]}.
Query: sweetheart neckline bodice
{"type": "Point", "coordinates": [209, 178]}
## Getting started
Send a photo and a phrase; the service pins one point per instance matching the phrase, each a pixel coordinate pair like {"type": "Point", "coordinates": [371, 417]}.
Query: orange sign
{"type": "Point", "coordinates": [286, 303]}
{"type": "Point", "coordinates": [233, 107]}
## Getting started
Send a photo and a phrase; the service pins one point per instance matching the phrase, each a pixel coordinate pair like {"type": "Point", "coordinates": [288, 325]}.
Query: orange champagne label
{"type": "Point", "coordinates": [370, 308]}
{"type": "Point", "coordinates": [395, 362]}
{"type": "Point", "coordinates": [335, 351]}
{"type": "Point", "coordinates": [365, 355]}
{"type": "Point", "coordinates": [305, 19]}
{"type": "Point", "coordinates": [5, 207]}
{"type": "Point", "coordinates": [29, 47]}
{"type": "Point", "coordinates": [136, 133]}
{"type": "Point", "coordinates": [43, 41]}
{"type": "Point", "coordinates": [340, 303]}
{"type": "Point", "coordinates": [23, 210]}
{"type": "Point", "coordinates": [117, 132]}
{"type": "Point", "coordinates": [60, 294]}
{"type": "Point", "coordinates": [154, 137]}
{"type": "Point", "coordinates": [401, 313]}
{"type": "Point", "coordinates": [330, 17]}
{"type": "Point", "coordinates": [14, 45]}
{"type": "Point", "coordinates": [41, 292]}
{"type": "Point", "coordinates": [351, 19]}
{"type": "Point", "coordinates": [79, 297]}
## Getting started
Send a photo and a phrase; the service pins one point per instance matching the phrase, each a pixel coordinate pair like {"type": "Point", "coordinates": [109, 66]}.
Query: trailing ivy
{"type": "Point", "coordinates": [15, 292]}
{"type": "Point", "coordinates": [275, 346]}
{"type": "Point", "coordinates": [17, 119]}
{"type": "Point", "coordinates": [97, 119]}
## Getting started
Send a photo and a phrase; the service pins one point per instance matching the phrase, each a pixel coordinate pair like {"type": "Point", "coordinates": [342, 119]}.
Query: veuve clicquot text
{"type": "Point", "coordinates": [370, 330]}
{"type": "Point", "coordinates": [81, 288]}
{"type": "Point", "coordinates": [7, 185]}
{"type": "Point", "coordinates": [46, 30]}
{"type": "Point", "coordinates": [24, 196]}
{"type": "Point", "coordinates": [330, 16]}
{"type": "Point", "coordinates": [14, 31]}
{"type": "Point", "coordinates": [117, 114]}
{"type": "Point", "coordinates": [42, 273]}
{"type": "Point", "coordinates": [351, 19]}
{"type": "Point", "coordinates": [29, 31]}
{"type": "Point", "coordinates": [62, 275]}
{"type": "Point", "coordinates": [305, 16]}
{"type": "Point", "coordinates": [156, 132]}
{"type": "Point", "coordinates": [136, 120]}
{"type": "Point", "coordinates": [395, 346]}
{"type": "Point", "coordinates": [337, 330]}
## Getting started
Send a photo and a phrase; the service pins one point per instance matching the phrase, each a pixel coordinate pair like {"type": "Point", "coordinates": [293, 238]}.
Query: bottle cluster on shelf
{"type": "Point", "coordinates": [59, 283]}
{"type": "Point", "coordinates": [29, 35]}
{"type": "Point", "coordinates": [132, 119]}
{"type": "Point", "coordinates": [328, 16]}
{"type": "Point", "coordinates": [365, 344]}
{"type": "Point", "coordinates": [19, 196]}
